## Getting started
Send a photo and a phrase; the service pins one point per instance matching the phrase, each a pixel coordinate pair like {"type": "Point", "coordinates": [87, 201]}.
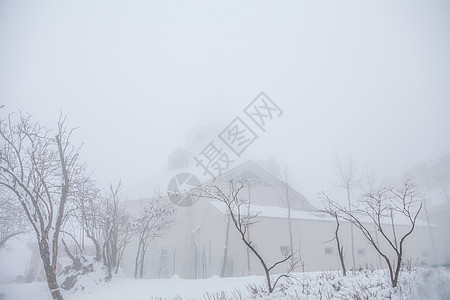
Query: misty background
{"type": "Point", "coordinates": [366, 79]}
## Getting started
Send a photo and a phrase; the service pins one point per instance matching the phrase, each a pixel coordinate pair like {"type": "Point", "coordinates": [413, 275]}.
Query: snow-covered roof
{"type": "Point", "coordinates": [282, 213]}
{"type": "Point", "coordinates": [278, 212]}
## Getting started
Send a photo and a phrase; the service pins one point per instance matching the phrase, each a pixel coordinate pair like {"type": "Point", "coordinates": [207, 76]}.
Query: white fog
{"type": "Point", "coordinates": [224, 150]}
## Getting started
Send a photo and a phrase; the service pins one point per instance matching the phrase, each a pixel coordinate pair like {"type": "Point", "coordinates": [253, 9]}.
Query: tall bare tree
{"type": "Point", "coordinates": [153, 222]}
{"type": "Point", "coordinates": [225, 248]}
{"type": "Point", "coordinates": [89, 212]}
{"type": "Point", "coordinates": [38, 166]}
{"type": "Point", "coordinates": [285, 176]}
{"type": "Point", "coordinates": [347, 179]}
{"type": "Point", "coordinates": [331, 210]}
{"type": "Point", "coordinates": [384, 209]}
{"type": "Point", "coordinates": [242, 218]}
{"type": "Point", "coordinates": [367, 185]}
{"type": "Point", "coordinates": [117, 230]}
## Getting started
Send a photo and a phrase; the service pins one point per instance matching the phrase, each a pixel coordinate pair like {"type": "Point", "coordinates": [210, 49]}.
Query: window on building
{"type": "Point", "coordinates": [361, 251]}
{"type": "Point", "coordinates": [329, 250]}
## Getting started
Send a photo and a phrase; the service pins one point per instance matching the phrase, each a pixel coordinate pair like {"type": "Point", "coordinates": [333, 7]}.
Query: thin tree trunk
{"type": "Point", "coordinates": [136, 262]}
{"type": "Point", "coordinates": [433, 244]}
{"type": "Point", "coordinates": [263, 263]}
{"type": "Point", "coordinates": [141, 271]}
{"type": "Point", "coordinates": [76, 263]}
{"type": "Point", "coordinates": [397, 270]}
{"type": "Point", "coordinates": [225, 249]}
{"type": "Point", "coordinates": [291, 244]}
{"type": "Point", "coordinates": [64, 194]}
{"type": "Point", "coordinates": [378, 242]}
{"type": "Point", "coordinates": [98, 249]}
{"type": "Point", "coordinates": [339, 247]}
{"type": "Point", "coordinates": [249, 270]}
{"type": "Point", "coordinates": [351, 229]}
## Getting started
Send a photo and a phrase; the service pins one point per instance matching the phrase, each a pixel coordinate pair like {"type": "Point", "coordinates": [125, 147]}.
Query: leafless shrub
{"type": "Point", "coordinates": [153, 222]}
{"type": "Point", "coordinates": [116, 229]}
{"type": "Point", "coordinates": [382, 209]}
{"type": "Point", "coordinates": [256, 291]}
{"type": "Point", "coordinates": [222, 295]}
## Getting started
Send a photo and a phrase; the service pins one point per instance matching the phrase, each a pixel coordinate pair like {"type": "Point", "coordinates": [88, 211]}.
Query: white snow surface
{"type": "Point", "coordinates": [433, 284]}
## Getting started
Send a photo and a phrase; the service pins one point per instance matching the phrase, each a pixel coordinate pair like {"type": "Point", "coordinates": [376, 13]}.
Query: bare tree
{"type": "Point", "coordinates": [367, 185]}
{"type": "Point", "coordinates": [225, 248]}
{"type": "Point", "coordinates": [78, 256]}
{"type": "Point", "coordinates": [38, 166]}
{"type": "Point", "coordinates": [89, 212]}
{"type": "Point", "coordinates": [347, 179]}
{"type": "Point", "coordinates": [384, 209]}
{"type": "Point", "coordinates": [331, 210]}
{"type": "Point", "coordinates": [12, 218]}
{"type": "Point", "coordinates": [116, 229]}
{"type": "Point", "coordinates": [153, 222]}
{"type": "Point", "coordinates": [242, 218]}
{"type": "Point", "coordinates": [285, 176]}
{"type": "Point", "coordinates": [104, 221]}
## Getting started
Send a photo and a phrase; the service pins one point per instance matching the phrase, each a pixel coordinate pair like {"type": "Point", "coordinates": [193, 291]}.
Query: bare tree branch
{"type": "Point", "coordinates": [39, 170]}
{"type": "Point", "coordinates": [384, 208]}
{"type": "Point", "coordinates": [242, 217]}
{"type": "Point", "coordinates": [330, 209]}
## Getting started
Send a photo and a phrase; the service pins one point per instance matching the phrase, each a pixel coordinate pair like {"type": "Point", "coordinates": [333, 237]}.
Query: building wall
{"type": "Point", "coordinates": [194, 246]}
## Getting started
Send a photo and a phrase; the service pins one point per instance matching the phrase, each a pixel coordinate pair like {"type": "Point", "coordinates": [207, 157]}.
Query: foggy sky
{"type": "Point", "coordinates": [367, 79]}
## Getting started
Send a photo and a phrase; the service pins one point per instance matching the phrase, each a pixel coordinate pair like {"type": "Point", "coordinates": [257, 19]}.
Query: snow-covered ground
{"type": "Point", "coordinates": [365, 284]}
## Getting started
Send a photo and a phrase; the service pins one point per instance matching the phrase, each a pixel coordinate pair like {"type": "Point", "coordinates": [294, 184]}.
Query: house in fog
{"type": "Point", "coordinates": [202, 241]}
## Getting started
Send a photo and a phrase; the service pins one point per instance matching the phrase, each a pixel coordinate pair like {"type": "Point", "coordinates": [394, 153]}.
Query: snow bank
{"type": "Point", "coordinates": [433, 284]}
